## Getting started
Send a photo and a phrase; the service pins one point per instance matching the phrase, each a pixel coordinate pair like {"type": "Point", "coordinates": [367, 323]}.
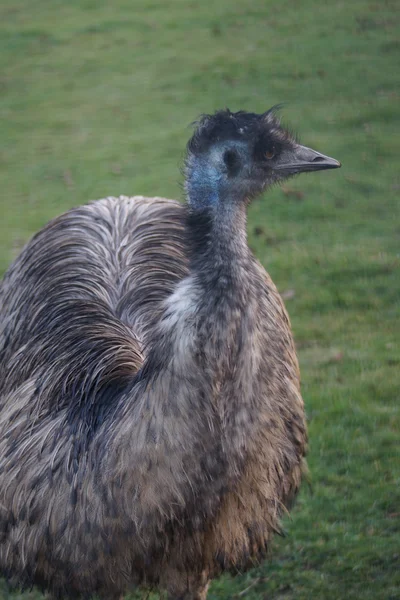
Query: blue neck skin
{"type": "Point", "coordinates": [203, 186]}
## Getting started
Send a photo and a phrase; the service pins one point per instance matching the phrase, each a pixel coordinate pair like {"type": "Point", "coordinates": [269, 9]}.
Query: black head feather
{"type": "Point", "coordinates": [224, 125]}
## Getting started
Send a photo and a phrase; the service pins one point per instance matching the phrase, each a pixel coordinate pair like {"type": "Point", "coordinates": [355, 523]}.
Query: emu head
{"type": "Point", "coordinates": [233, 157]}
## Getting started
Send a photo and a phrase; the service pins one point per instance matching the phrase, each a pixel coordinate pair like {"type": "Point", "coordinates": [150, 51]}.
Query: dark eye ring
{"type": "Point", "coordinates": [270, 153]}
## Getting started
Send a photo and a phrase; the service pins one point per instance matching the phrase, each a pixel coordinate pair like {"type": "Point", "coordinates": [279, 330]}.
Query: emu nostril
{"type": "Point", "coordinates": [318, 159]}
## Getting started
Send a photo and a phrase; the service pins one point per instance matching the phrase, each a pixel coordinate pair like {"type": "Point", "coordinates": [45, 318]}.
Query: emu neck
{"type": "Point", "coordinates": [217, 240]}
{"type": "Point", "coordinates": [213, 297]}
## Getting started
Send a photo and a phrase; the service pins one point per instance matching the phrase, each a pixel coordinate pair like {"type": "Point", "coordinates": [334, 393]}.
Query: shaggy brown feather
{"type": "Point", "coordinates": [105, 483]}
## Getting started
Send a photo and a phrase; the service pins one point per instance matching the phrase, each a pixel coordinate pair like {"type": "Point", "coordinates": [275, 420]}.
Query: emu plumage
{"type": "Point", "coordinates": [152, 430]}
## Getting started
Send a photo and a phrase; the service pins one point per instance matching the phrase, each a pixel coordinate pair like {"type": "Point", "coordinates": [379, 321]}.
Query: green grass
{"type": "Point", "coordinates": [95, 98]}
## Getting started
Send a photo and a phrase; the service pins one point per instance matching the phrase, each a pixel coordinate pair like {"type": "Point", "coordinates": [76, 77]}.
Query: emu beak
{"type": "Point", "coordinates": [302, 159]}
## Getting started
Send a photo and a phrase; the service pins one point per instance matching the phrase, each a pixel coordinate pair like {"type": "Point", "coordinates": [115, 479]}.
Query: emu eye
{"type": "Point", "coordinates": [270, 153]}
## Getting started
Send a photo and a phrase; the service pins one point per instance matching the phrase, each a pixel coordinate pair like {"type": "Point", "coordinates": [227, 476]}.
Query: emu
{"type": "Point", "coordinates": [152, 430]}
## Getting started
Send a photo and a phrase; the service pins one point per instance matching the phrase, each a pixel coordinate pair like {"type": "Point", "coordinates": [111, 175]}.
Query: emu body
{"type": "Point", "coordinates": [152, 430]}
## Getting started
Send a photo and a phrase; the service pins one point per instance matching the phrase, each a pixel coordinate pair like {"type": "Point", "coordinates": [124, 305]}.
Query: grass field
{"type": "Point", "coordinates": [95, 99]}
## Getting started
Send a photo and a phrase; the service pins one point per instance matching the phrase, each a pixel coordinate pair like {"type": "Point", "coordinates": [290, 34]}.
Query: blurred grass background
{"type": "Point", "coordinates": [95, 99]}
